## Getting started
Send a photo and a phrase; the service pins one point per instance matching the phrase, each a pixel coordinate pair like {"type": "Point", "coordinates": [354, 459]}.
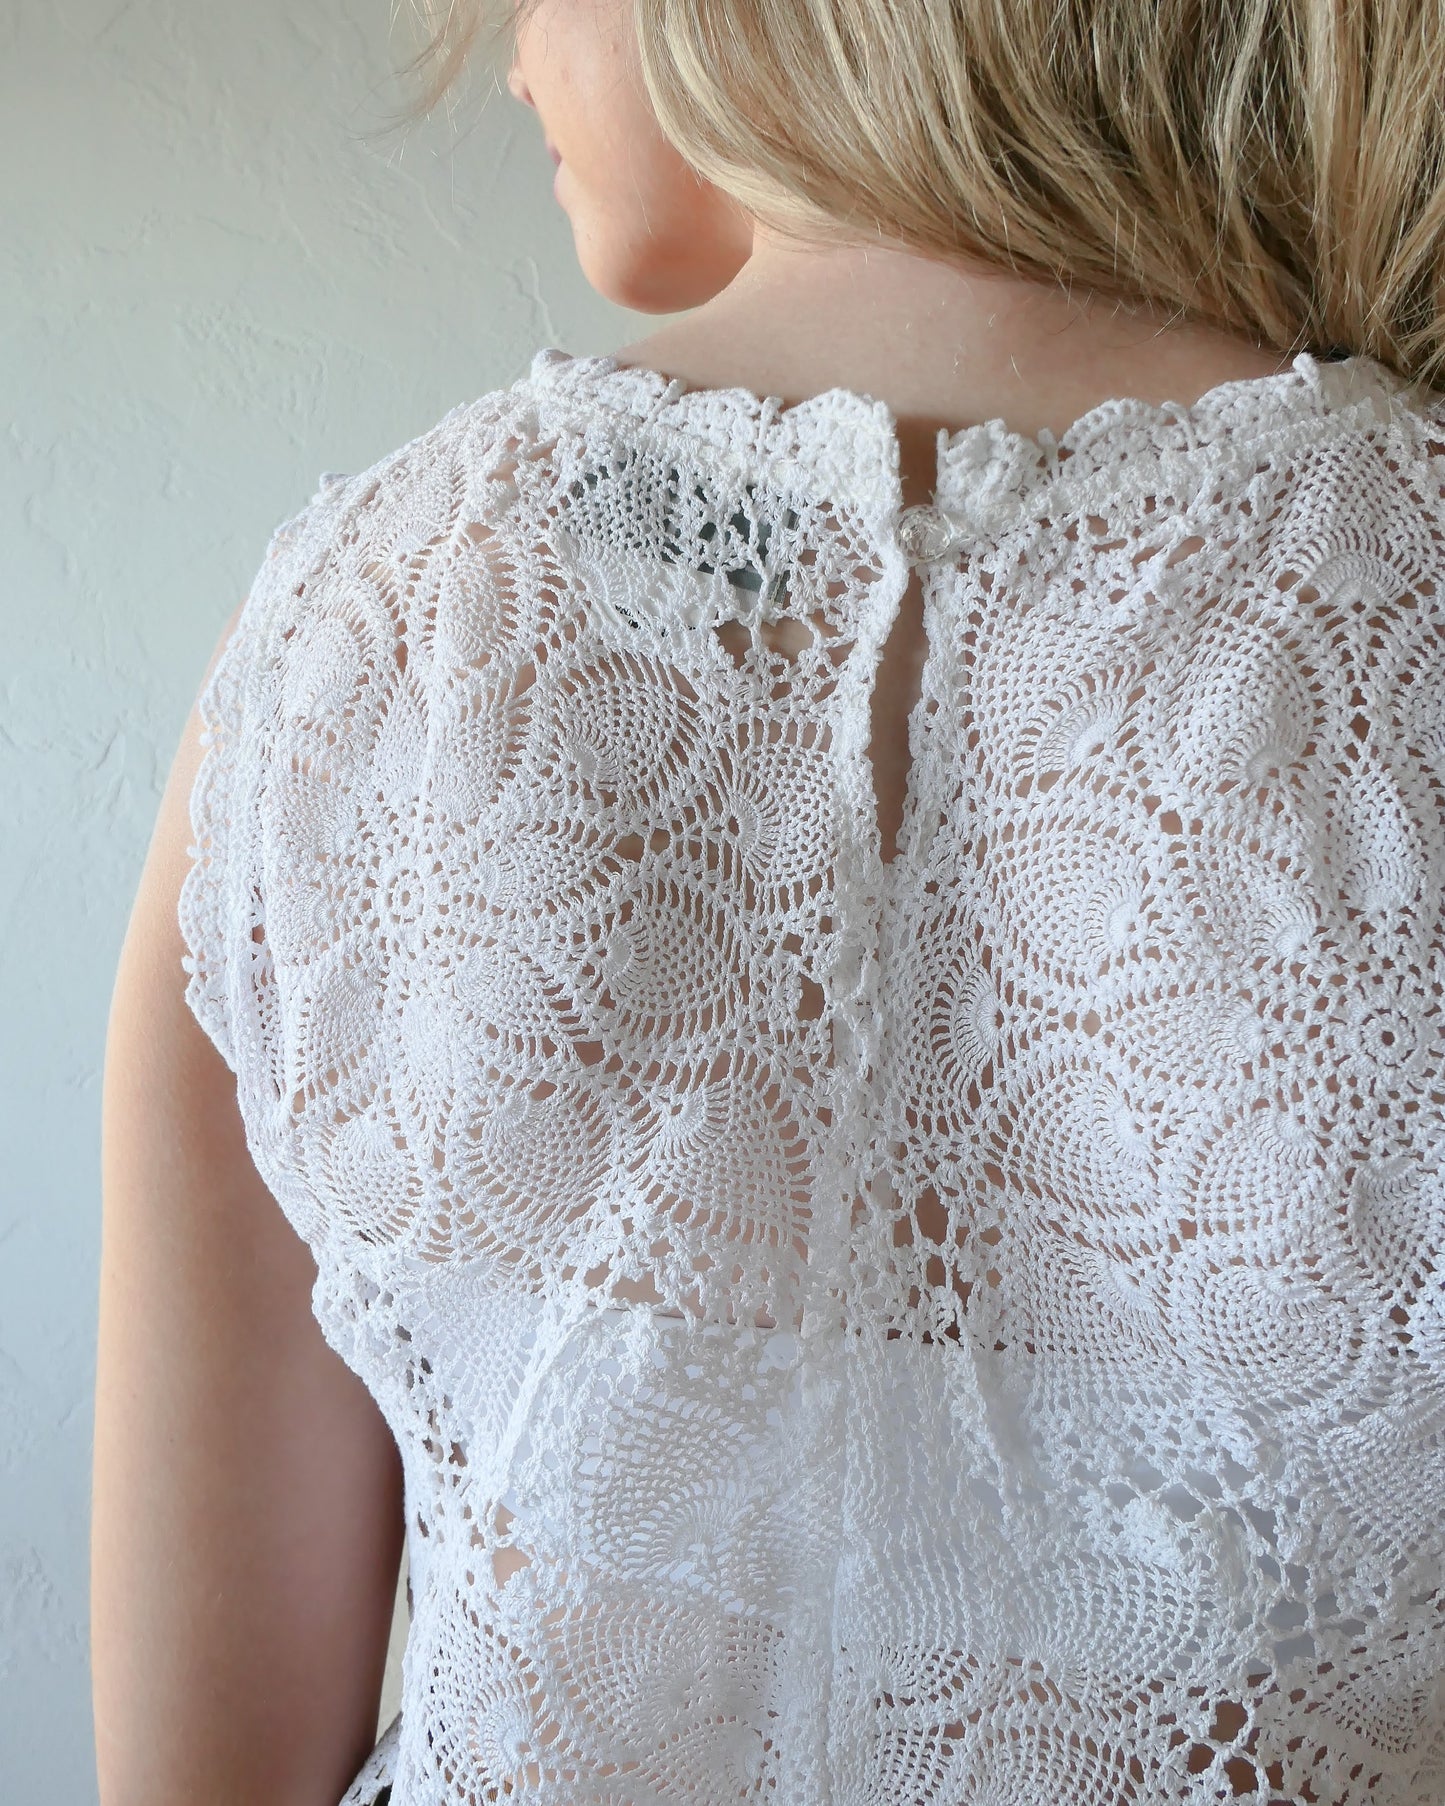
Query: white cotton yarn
{"type": "Point", "coordinates": [964, 1332]}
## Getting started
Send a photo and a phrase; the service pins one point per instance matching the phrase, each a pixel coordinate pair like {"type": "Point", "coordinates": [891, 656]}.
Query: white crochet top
{"type": "Point", "coordinates": [964, 1331]}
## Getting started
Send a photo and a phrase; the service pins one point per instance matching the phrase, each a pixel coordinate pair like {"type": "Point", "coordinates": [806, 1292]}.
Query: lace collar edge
{"type": "Point", "coordinates": [846, 441]}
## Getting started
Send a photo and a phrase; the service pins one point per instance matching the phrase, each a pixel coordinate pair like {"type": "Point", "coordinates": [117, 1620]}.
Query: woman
{"type": "Point", "coordinates": [815, 1034]}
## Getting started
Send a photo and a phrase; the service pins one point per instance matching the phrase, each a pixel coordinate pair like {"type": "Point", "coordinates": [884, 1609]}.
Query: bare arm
{"type": "Point", "coordinates": [246, 1506]}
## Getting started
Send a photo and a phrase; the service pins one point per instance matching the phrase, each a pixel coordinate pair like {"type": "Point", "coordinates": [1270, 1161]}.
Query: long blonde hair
{"type": "Point", "coordinates": [1274, 167]}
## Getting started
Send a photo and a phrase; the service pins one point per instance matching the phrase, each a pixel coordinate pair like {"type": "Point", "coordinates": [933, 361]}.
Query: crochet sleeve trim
{"type": "Point", "coordinates": [219, 906]}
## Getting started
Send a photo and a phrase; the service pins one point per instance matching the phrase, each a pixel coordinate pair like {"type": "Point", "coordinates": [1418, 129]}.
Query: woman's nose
{"type": "Point", "coordinates": [518, 87]}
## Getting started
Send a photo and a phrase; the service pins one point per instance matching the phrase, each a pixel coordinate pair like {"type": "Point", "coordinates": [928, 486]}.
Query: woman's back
{"type": "Point", "coordinates": [847, 996]}
{"type": "Point", "coordinates": [948, 1327]}
{"type": "Point", "coordinates": [942, 349]}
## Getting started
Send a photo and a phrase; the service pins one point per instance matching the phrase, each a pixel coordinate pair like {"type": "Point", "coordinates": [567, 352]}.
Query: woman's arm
{"type": "Point", "coordinates": [246, 1507]}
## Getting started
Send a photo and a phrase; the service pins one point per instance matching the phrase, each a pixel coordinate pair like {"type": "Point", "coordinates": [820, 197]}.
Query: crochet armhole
{"type": "Point", "coordinates": [220, 915]}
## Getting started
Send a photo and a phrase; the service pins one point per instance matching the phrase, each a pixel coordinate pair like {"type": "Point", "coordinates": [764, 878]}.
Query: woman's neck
{"type": "Point", "coordinates": [941, 345]}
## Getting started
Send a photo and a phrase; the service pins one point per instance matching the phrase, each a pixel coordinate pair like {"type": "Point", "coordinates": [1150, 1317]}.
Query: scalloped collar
{"type": "Point", "coordinates": [842, 445]}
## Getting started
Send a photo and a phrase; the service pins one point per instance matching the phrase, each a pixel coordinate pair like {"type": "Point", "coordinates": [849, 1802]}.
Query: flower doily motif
{"type": "Point", "coordinates": [968, 1329]}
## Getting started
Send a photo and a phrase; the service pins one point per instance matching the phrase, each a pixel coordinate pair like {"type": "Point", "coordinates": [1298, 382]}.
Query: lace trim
{"type": "Point", "coordinates": [844, 444]}
{"type": "Point", "coordinates": [209, 896]}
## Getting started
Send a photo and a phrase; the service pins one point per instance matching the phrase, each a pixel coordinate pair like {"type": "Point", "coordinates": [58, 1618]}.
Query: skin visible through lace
{"type": "Point", "coordinates": [1136, 1280]}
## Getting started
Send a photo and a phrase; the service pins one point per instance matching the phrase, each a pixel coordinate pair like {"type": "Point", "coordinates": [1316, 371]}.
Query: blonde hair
{"type": "Point", "coordinates": [1273, 167]}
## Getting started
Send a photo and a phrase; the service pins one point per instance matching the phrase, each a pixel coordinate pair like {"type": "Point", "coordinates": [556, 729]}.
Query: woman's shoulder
{"type": "Point", "coordinates": [474, 435]}
{"type": "Point", "coordinates": [542, 429]}
{"type": "Point", "coordinates": [503, 478]}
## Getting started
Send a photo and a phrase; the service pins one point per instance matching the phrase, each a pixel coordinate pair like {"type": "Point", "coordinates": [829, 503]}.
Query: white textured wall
{"type": "Point", "coordinates": [211, 289]}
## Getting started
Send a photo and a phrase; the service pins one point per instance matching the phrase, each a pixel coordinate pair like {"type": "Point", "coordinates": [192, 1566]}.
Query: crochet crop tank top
{"type": "Point", "coordinates": [961, 1331]}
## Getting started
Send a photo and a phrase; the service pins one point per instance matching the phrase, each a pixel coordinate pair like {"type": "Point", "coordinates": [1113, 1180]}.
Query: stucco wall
{"type": "Point", "coordinates": [212, 288]}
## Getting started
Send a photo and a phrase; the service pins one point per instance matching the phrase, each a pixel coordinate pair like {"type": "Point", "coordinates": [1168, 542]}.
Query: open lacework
{"type": "Point", "coordinates": [964, 1330]}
